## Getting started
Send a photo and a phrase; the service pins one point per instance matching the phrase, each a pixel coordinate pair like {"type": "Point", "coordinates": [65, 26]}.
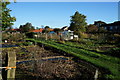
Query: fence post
{"type": "Point", "coordinates": [96, 74]}
{"type": "Point", "coordinates": [0, 63]}
{"type": "Point", "coordinates": [11, 63]}
{"type": "Point", "coordinates": [0, 74]}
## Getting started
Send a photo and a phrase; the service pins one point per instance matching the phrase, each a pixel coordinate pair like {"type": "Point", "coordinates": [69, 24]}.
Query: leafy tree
{"type": "Point", "coordinates": [46, 31]}
{"type": "Point", "coordinates": [6, 19]}
{"type": "Point", "coordinates": [57, 30]}
{"type": "Point", "coordinates": [26, 28]}
{"type": "Point", "coordinates": [30, 34]}
{"type": "Point", "coordinates": [37, 28]}
{"type": "Point", "coordinates": [78, 23]}
{"type": "Point", "coordinates": [46, 27]}
{"type": "Point", "coordinates": [91, 28]}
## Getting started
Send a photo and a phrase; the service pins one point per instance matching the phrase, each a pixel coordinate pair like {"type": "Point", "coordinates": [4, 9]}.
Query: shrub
{"type": "Point", "coordinates": [114, 52]}
{"type": "Point", "coordinates": [30, 34]}
{"type": "Point", "coordinates": [13, 37]}
{"type": "Point", "coordinates": [83, 35]}
{"type": "Point", "coordinates": [117, 38]}
{"type": "Point", "coordinates": [19, 44]}
{"type": "Point", "coordinates": [27, 43]}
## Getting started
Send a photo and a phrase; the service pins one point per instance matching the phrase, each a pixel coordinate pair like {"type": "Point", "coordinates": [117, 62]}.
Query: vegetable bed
{"type": "Point", "coordinates": [104, 61]}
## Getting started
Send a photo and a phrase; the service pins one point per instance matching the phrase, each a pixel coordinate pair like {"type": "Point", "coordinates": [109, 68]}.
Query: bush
{"type": "Point", "coordinates": [13, 37]}
{"type": "Point", "coordinates": [30, 34]}
{"type": "Point", "coordinates": [83, 35]}
{"type": "Point", "coordinates": [19, 44]}
{"type": "Point", "coordinates": [27, 43]}
{"type": "Point", "coordinates": [118, 44]}
{"type": "Point", "coordinates": [24, 44]}
{"type": "Point", "coordinates": [114, 52]}
{"type": "Point", "coordinates": [117, 38]}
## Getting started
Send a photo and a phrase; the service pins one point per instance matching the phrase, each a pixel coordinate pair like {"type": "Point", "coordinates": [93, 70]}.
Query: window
{"type": "Point", "coordinates": [116, 27]}
{"type": "Point", "coordinates": [111, 27]}
{"type": "Point", "coordinates": [105, 28]}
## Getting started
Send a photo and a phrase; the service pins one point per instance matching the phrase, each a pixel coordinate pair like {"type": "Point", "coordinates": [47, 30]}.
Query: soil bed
{"type": "Point", "coordinates": [49, 69]}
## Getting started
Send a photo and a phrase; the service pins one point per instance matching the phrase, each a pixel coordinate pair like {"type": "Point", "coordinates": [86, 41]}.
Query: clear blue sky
{"type": "Point", "coordinates": [57, 14]}
{"type": "Point", "coordinates": [65, 0]}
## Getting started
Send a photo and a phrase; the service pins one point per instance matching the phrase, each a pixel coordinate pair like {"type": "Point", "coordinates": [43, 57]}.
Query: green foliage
{"type": "Point", "coordinates": [5, 36]}
{"type": "Point", "coordinates": [15, 37]}
{"type": "Point", "coordinates": [26, 28]}
{"type": "Point", "coordinates": [91, 28]}
{"type": "Point", "coordinates": [78, 23]}
{"type": "Point", "coordinates": [117, 38]}
{"type": "Point", "coordinates": [19, 44]}
{"type": "Point", "coordinates": [61, 42]}
{"type": "Point", "coordinates": [6, 19]}
{"type": "Point", "coordinates": [30, 34]}
{"type": "Point", "coordinates": [103, 38]}
{"type": "Point", "coordinates": [27, 43]}
{"type": "Point", "coordinates": [45, 31]}
{"type": "Point", "coordinates": [20, 53]}
{"type": "Point", "coordinates": [110, 77]}
{"type": "Point", "coordinates": [46, 27]}
{"type": "Point", "coordinates": [83, 35]}
{"type": "Point", "coordinates": [102, 30]}
{"type": "Point", "coordinates": [114, 52]}
{"type": "Point", "coordinates": [57, 30]}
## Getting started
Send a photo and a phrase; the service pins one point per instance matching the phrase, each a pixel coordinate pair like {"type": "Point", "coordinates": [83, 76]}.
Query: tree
{"type": "Point", "coordinates": [91, 28]}
{"type": "Point", "coordinates": [46, 31]}
{"type": "Point", "coordinates": [78, 23]}
{"type": "Point", "coordinates": [46, 27]}
{"type": "Point", "coordinates": [7, 20]}
{"type": "Point", "coordinates": [57, 30]}
{"type": "Point", "coordinates": [26, 28]}
{"type": "Point", "coordinates": [37, 28]}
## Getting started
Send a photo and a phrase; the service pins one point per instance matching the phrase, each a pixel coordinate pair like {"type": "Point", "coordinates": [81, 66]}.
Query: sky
{"type": "Point", "coordinates": [66, 0]}
{"type": "Point", "coordinates": [57, 14]}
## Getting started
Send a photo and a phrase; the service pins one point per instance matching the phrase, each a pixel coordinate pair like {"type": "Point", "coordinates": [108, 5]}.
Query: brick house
{"type": "Point", "coordinates": [112, 27]}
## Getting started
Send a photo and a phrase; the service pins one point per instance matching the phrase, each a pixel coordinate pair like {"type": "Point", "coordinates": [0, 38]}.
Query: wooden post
{"type": "Point", "coordinates": [1, 76]}
{"type": "Point", "coordinates": [96, 74]}
{"type": "Point", "coordinates": [11, 63]}
{"type": "Point", "coordinates": [0, 63]}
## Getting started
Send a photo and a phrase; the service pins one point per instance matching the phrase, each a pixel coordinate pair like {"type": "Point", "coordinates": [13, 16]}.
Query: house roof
{"type": "Point", "coordinates": [37, 30]}
{"type": "Point", "coordinates": [65, 28]}
{"type": "Point", "coordinates": [15, 29]}
{"type": "Point", "coordinates": [117, 23]}
{"type": "Point", "coordinates": [99, 22]}
{"type": "Point", "coordinates": [50, 29]}
{"type": "Point", "coordinates": [40, 30]}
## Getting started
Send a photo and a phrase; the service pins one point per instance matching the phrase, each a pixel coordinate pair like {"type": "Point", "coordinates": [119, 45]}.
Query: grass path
{"type": "Point", "coordinates": [104, 61]}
